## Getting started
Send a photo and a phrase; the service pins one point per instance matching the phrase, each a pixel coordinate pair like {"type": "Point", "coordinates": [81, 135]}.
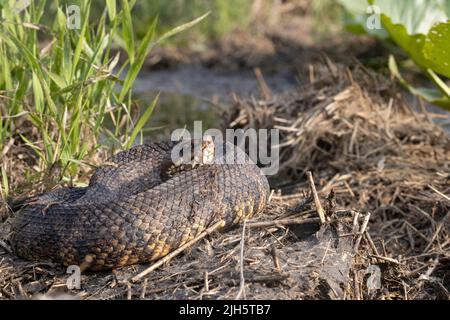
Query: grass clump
{"type": "Point", "coordinates": [60, 79]}
{"type": "Point", "coordinates": [226, 15]}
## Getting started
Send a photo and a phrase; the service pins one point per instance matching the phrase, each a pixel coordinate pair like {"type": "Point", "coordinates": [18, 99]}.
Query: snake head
{"type": "Point", "coordinates": [195, 152]}
{"type": "Point", "coordinates": [204, 153]}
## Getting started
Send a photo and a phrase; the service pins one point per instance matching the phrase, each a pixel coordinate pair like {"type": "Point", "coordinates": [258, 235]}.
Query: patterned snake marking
{"type": "Point", "coordinates": [136, 210]}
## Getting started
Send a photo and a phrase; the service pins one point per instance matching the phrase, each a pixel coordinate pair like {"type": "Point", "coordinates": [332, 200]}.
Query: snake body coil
{"type": "Point", "coordinates": [135, 210]}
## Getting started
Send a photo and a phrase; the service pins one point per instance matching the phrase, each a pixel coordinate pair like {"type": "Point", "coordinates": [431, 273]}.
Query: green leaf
{"type": "Point", "coordinates": [437, 48]}
{"type": "Point", "coordinates": [81, 38]}
{"type": "Point", "coordinates": [182, 28]}
{"type": "Point", "coordinates": [136, 66]}
{"type": "Point", "coordinates": [35, 148]}
{"type": "Point", "coordinates": [431, 95]}
{"type": "Point", "coordinates": [4, 184]}
{"type": "Point", "coordinates": [6, 70]}
{"type": "Point", "coordinates": [38, 94]}
{"type": "Point", "coordinates": [416, 16]}
{"type": "Point", "coordinates": [411, 44]}
{"type": "Point", "coordinates": [57, 79]}
{"type": "Point", "coordinates": [111, 5]}
{"type": "Point", "coordinates": [145, 47]}
{"type": "Point", "coordinates": [142, 121]}
{"type": "Point", "coordinates": [439, 83]}
{"type": "Point", "coordinates": [127, 32]}
{"type": "Point", "coordinates": [421, 29]}
{"type": "Point", "coordinates": [34, 64]}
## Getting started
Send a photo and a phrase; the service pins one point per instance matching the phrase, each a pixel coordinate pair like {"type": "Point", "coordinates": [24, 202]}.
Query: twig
{"type": "Point", "coordinates": [276, 261]}
{"type": "Point", "coordinates": [392, 260]}
{"type": "Point", "coordinates": [356, 286]}
{"type": "Point", "coordinates": [437, 231]}
{"type": "Point", "coordinates": [263, 87]}
{"type": "Point", "coordinates": [5, 246]}
{"type": "Point", "coordinates": [242, 278]}
{"type": "Point", "coordinates": [144, 289]}
{"type": "Point", "coordinates": [206, 281]}
{"type": "Point", "coordinates": [176, 252]}
{"type": "Point", "coordinates": [129, 293]}
{"type": "Point", "coordinates": [271, 195]}
{"type": "Point", "coordinates": [361, 232]}
{"type": "Point", "coordinates": [371, 244]}
{"type": "Point", "coordinates": [355, 221]}
{"type": "Point", "coordinates": [319, 208]}
{"type": "Point", "coordinates": [275, 277]}
{"type": "Point", "coordinates": [282, 222]}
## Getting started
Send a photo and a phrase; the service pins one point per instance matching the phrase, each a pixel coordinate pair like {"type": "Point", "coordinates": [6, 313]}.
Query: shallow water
{"type": "Point", "coordinates": [193, 93]}
{"type": "Point", "coordinates": [190, 93]}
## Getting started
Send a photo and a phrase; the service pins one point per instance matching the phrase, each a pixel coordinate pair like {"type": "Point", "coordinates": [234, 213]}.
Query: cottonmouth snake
{"type": "Point", "coordinates": [138, 207]}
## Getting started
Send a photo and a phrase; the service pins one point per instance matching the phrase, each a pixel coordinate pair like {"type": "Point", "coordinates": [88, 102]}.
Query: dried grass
{"type": "Point", "coordinates": [363, 141]}
{"type": "Point", "coordinates": [367, 150]}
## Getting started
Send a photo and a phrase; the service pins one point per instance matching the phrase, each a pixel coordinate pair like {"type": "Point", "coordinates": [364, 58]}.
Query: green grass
{"type": "Point", "coordinates": [225, 16]}
{"type": "Point", "coordinates": [62, 83]}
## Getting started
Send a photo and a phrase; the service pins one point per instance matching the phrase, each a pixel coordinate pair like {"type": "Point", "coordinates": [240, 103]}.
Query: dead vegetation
{"type": "Point", "coordinates": [366, 144]}
{"type": "Point", "coordinates": [382, 176]}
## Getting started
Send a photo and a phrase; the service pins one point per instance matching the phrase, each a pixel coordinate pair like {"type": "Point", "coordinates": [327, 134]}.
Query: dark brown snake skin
{"type": "Point", "coordinates": [134, 212]}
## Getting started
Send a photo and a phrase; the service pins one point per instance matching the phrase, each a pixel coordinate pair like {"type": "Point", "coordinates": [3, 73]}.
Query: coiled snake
{"type": "Point", "coordinates": [138, 207]}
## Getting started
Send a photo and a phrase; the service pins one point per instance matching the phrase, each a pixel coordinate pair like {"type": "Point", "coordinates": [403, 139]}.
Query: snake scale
{"type": "Point", "coordinates": [136, 209]}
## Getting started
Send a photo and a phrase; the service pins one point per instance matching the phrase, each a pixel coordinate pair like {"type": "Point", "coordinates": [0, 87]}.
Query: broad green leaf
{"type": "Point", "coordinates": [416, 16]}
{"type": "Point", "coordinates": [437, 48]}
{"type": "Point", "coordinates": [420, 29]}
{"type": "Point", "coordinates": [411, 44]}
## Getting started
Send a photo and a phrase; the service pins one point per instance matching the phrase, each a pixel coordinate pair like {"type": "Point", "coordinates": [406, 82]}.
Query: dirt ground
{"type": "Point", "coordinates": [381, 167]}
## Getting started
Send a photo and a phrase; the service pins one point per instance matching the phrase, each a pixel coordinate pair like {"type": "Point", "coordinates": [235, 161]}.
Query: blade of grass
{"type": "Point", "coordinates": [141, 122]}
{"type": "Point", "coordinates": [127, 32]}
{"type": "Point", "coordinates": [5, 184]}
{"type": "Point", "coordinates": [111, 5]}
{"type": "Point", "coordinates": [181, 28]}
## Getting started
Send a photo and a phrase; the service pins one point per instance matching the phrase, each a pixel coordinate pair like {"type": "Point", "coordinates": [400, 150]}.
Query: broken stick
{"type": "Point", "coordinates": [319, 207]}
{"type": "Point", "coordinates": [176, 252]}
